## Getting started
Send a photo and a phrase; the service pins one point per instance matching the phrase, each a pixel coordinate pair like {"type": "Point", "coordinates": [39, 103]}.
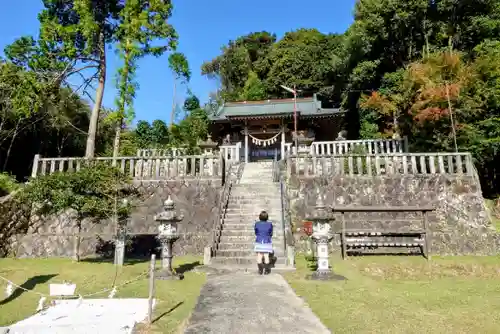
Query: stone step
{"type": "Point", "coordinates": [244, 253]}
{"type": "Point", "coordinates": [236, 245]}
{"type": "Point", "coordinates": [264, 186]}
{"type": "Point", "coordinates": [250, 220]}
{"type": "Point", "coordinates": [246, 247]}
{"type": "Point", "coordinates": [274, 202]}
{"type": "Point", "coordinates": [255, 195]}
{"type": "Point", "coordinates": [251, 201]}
{"type": "Point", "coordinates": [245, 237]}
{"type": "Point", "coordinates": [247, 233]}
{"type": "Point", "coordinates": [244, 227]}
{"type": "Point", "coordinates": [255, 208]}
{"type": "Point", "coordinates": [256, 186]}
{"type": "Point", "coordinates": [255, 212]}
{"type": "Point", "coordinates": [247, 215]}
{"type": "Point", "coordinates": [248, 260]}
{"type": "Point", "coordinates": [250, 268]}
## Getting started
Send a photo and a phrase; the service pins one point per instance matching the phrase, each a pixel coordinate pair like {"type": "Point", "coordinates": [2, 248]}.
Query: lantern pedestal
{"type": "Point", "coordinates": [321, 234]}
{"type": "Point", "coordinates": [323, 272]}
{"type": "Point", "coordinates": [167, 272]}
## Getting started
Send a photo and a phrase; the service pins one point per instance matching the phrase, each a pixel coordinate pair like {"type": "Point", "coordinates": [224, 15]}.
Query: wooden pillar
{"type": "Point", "coordinates": [246, 143]}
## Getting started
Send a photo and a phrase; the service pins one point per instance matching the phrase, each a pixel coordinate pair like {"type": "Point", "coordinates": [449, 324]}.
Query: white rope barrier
{"type": "Point", "coordinates": [9, 290]}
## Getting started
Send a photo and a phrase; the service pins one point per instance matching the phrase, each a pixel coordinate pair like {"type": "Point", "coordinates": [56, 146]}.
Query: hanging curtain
{"type": "Point", "coordinates": [265, 142]}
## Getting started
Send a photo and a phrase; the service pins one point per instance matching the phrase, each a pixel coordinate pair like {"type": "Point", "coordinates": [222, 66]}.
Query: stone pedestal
{"type": "Point", "coordinates": [167, 272]}
{"type": "Point", "coordinates": [322, 235]}
{"type": "Point", "coordinates": [324, 272]}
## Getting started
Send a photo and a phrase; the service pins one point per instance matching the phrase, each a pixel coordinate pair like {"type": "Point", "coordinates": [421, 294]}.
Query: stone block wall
{"type": "Point", "coordinates": [459, 225]}
{"type": "Point", "coordinates": [196, 199]}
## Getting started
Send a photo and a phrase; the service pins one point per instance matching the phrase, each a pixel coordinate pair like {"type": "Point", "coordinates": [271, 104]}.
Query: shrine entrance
{"type": "Point", "coordinates": [265, 140]}
{"type": "Point", "coordinates": [259, 153]}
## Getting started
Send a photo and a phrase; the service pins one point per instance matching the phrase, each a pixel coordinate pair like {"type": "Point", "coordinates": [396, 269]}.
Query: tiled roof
{"type": "Point", "coordinates": [306, 107]}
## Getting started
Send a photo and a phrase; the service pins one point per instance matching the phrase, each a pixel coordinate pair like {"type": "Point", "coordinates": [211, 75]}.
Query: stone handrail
{"type": "Point", "coordinates": [369, 146]}
{"type": "Point", "coordinates": [381, 164]}
{"type": "Point", "coordinates": [159, 168]}
{"type": "Point", "coordinates": [224, 197]}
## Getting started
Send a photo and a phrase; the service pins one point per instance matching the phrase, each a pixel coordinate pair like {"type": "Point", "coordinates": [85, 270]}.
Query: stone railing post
{"type": "Point", "coordinates": [34, 168]}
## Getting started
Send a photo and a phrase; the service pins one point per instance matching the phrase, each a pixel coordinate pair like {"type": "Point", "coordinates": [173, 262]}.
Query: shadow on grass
{"type": "Point", "coordinates": [167, 312]}
{"type": "Point", "coordinates": [127, 262]}
{"type": "Point", "coordinates": [183, 268]}
{"type": "Point", "coordinates": [28, 285]}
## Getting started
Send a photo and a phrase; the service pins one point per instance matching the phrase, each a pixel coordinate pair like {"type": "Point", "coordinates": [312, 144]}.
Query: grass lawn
{"type": "Point", "coordinates": [385, 294]}
{"type": "Point", "coordinates": [175, 299]}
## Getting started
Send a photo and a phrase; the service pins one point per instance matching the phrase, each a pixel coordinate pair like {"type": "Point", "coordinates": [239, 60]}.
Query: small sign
{"type": "Point", "coordinates": [64, 289]}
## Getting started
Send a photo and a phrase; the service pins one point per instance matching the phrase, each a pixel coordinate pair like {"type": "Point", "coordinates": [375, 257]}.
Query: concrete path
{"type": "Point", "coordinates": [248, 303]}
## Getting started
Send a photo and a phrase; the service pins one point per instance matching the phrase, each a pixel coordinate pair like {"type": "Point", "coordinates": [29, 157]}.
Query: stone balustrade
{"type": "Point", "coordinates": [381, 164]}
{"type": "Point", "coordinates": [160, 152]}
{"type": "Point", "coordinates": [154, 168]}
{"type": "Point", "coordinates": [369, 146]}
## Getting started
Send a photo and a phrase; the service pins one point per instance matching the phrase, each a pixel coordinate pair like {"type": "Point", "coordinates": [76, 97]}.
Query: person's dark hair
{"type": "Point", "coordinates": [263, 216]}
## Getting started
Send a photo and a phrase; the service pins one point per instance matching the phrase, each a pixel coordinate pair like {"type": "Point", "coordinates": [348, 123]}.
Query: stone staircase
{"type": "Point", "coordinates": [255, 192]}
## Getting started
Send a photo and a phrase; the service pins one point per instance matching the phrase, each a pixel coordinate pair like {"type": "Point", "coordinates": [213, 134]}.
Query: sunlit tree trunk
{"type": "Point", "coordinates": [94, 118]}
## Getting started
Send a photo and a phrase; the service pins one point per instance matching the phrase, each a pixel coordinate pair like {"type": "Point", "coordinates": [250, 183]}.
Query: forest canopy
{"type": "Point", "coordinates": [426, 69]}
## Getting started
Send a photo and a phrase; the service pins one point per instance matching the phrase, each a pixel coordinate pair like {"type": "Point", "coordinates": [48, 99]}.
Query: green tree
{"type": "Point", "coordinates": [82, 30]}
{"type": "Point", "coordinates": [254, 89]}
{"type": "Point", "coordinates": [92, 192]}
{"type": "Point", "coordinates": [142, 23]}
{"type": "Point", "coordinates": [159, 133]}
{"type": "Point", "coordinates": [143, 134]}
{"type": "Point", "coordinates": [232, 68]}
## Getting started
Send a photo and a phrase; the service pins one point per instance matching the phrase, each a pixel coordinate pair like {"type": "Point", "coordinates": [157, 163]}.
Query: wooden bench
{"type": "Point", "coordinates": [421, 236]}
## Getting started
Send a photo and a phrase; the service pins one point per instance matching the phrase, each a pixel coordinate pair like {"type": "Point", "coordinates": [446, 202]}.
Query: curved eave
{"type": "Point", "coordinates": [257, 117]}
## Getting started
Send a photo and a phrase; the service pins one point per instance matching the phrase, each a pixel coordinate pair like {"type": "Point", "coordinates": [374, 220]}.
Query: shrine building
{"type": "Point", "coordinates": [261, 130]}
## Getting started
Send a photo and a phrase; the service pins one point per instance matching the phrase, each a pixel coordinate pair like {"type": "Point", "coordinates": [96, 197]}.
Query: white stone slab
{"type": "Point", "coordinates": [96, 316]}
{"type": "Point", "coordinates": [64, 289]}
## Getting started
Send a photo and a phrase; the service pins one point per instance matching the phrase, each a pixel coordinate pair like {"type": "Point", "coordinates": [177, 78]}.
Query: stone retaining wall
{"type": "Point", "coordinates": [196, 199]}
{"type": "Point", "coordinates": [459, 226]}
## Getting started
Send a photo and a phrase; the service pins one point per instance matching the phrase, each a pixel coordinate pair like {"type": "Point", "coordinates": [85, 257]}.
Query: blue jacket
{"type": "Point", "coordinates": [263, 232]}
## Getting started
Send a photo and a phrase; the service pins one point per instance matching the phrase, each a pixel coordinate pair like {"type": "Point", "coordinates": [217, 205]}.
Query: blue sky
{"type": "Point", "coordinates": [203, 26]}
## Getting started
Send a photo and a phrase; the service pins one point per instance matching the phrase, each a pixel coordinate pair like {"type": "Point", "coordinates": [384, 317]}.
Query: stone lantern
{"type": "Point", "coordinates": [322, 234]}
{"type": "Point", "coordinates": [303, 142]}
{"type": "Point", "coordinates": [207, 146]}
{"type": "Point", "coordinates": [168, 234]}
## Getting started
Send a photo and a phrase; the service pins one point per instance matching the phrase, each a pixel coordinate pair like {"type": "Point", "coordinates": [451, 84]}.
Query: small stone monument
{"type": "Point", "coordinates": [322, 235]}
{"type": "Point", "coordinates": [121, 235]}
{"type": "Point", "coordinates": [168, 234]}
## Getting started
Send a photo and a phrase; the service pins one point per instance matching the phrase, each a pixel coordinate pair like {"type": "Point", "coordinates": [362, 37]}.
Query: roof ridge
{"type": "Point", "coordinates": [269, 101]}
